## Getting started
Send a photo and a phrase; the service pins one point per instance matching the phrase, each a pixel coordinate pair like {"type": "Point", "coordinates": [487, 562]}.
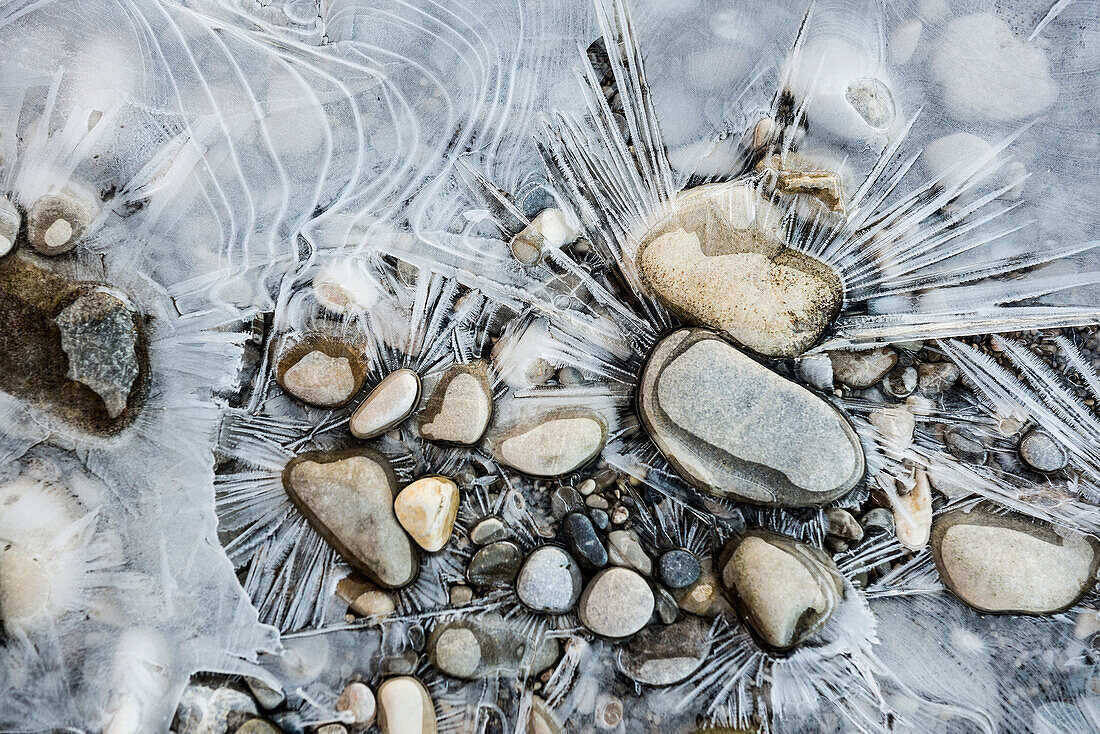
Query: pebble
{"type": "Point", "coordinates": [678, 568]}
{"type": "Point", "coordinates": [1042, 452]}
{"type": "Point", "coordinates": [733, 428]}
{"type": "Point", "coordinates": [347, 497]}
{"type": "Point", "coordinates": [900, 383]}
{"type": "Point", "coordinates": [663, 656]}
{"type": "Point", "coordinates": [358, 700]}
{"type": "Point", "coordinates": [965, 447]}
{"type": "Point", "coordinates": [718, 261]}
{"type": "Point", "coordinates": [785, 590]}
{"type": "Point", "coordinates": [363, 597]}
{"type": "Point", "coordinates": [600, 519]}
{"type": "Point", "coordinates": [461, 594]}
{"type": "Point", "coordinates": [24, 585]}
{"type": "Point", "coordinates": [480, 647]}
{"type": "Point", "coordinates": [427, 509]}
{"type": "Point", "coordinates": [579, 535]}
{"type": "Point", "coordinates": [665, 605]}
{"type": "Point", "coordinates": [843, 525]}
{"type": "Point", "coordinates": [936, 378]}
{"type": "Point", "coordinates": [460, 407]}
{"type": "Point", "coordinates": [57, 222]}
{"type": "Point", "coordinates": [616, 603]}
{"type": "Point", "coordinates": [704, 598]}
{"type": "Point", "coordinates": [596, 501]}
{"type": "Point", "coordinates": [551, 228]}
{"type": "Point", "coordinates": [265, 695]}
{"type": "Point", "coordinates": [343, 286]}
{"type": "Point", "coordinates": [624, 549]}
{"type": "Point", "coordinates": [552, 445]}
{"type": "Point", "coordinates": [913, 512]}
{"type": "Point", "coordinates": [390, 402]}
{"type": "Point", "coordinates": [320, 379]}
{"type": "Point", "coordinates": [987, 73]}
{"type": "Point", "coordinates": [205, 710]}
{"type": "Point", "coordinates": [332, 729]}
{"type": "Point", "coordinates": [1012, 563]}
{"type": "Point", "coordinates": [405, 707]}
{"type": "Point", "coordinates": [549, 581]}
{"type": "Point", "coordinates": [587, 487]}
{"type": "Point", "coordinates": [495, 565]}
{"type": "Point", "coordinates": [877, 520]}
{"type": "Point", "coordinates": [488, 530]}
{"type": "Point", "coordinates": [862, 368]}
{"type": "Point", "coordinates": [10, 220]}
{"type": "Point", "coordinates": [564, 500]}
{"type": "Point", "coordinates": [99, 338]}
{"type": "Point", "coordinates": [258, 726]}
{"type": "Point", "coordinates": [895, 425]}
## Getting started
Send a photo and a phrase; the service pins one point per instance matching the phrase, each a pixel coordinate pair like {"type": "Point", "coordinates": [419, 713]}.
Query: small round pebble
{"type": "Point", "coordinates": [678, 568]}
{"type": "Point", "coordinates": [495, 565]}
{"type": "Point", "coordinates": [616, 603]}
{"type": "Point", "coordinates": [358, 700]}
{"type": "Point", "coordinates": [549, 581]}
{"type": "Point", "coordinates": [1041, 452]}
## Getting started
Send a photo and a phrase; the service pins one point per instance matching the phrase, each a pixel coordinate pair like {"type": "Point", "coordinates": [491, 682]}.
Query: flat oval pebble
{"type": "Point", "coordinates": [1011, 563]}
{"type": "Point", "coordinates": [1042, 452]}
{"type": "Point", "coordinates": [358, 701]}
{"type": "Point", "coordinates": [556, 444]}
{"type": "Point", "coordinates": [549, 580]}
{"type": "Point", "coordinates": [405, 707]}
{"type": "Point", "coordinates": [488, 530]}
{"type": "Point", "coordinates": [427, 509]}
{"type": "Point", "coordinates": [663, 656]}
{"type": "Point", "coordinates": [348, 498]}
{"type": "Point", "coordinates": [785, 590]}
{"type": "Point", "coordinates": [390, 402]}
{"type": "Point", "coordinates": [460, 406]}
{"type": "Point", "coordinates": [733, 428]}
{"type": "Point", "coordinates": [616, 603]}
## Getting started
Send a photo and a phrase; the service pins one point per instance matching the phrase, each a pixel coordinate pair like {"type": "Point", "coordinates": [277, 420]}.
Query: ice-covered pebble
{"type": "Point", "coordinates": [460, 406]}
{"type": "Point", "coordinates": [1007, 562]}
{"type": "Point", "coordinates": [100, 340]}
{"type": "Point", "coordinates": [862, 368]}
{"type": "Point", "coordinates": [552, 445]}
{"type": "Point", "coordinates": [551, 228]}
{"type": "Point", "coordinates": [343, 286]}
{"type": "Point", "coordinates": [57, 222]}
{"type": "Point", "coordinates": [357, 700]}
{"type": "Point", "coordinates": [320, 379]}
{"type": "Point", "coordinates": [10, 220]}
{"type": "Point", "coordinates": [663, 656]}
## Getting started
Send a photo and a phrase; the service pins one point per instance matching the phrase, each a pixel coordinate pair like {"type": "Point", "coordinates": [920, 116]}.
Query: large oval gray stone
{"type": "Point", "coordinates": [732, 427]}
{"type": "Point", "coordinates": [1011, 563]}
{"type": "Point", "coordinates": [347, 497]}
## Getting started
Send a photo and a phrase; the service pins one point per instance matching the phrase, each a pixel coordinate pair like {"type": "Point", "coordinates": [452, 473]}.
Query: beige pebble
{"type": "Point", "coordinates": [427, 509]}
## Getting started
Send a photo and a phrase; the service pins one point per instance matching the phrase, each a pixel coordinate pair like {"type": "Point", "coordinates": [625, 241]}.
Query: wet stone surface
{"type": "Point", "coordinates": [1042, 452]}
{"type": "Point", "coordinates": [460, 406]}
{"type": "Point", "coordinates": [389, 403]}
{"type": "Point", "coordinates": [44, 355]}
{"type": "Point", "coordinates": [405, 707]}
{"type": "Point", "coordinates": [1011, 563]}
{"type": "Point", "coordinates": [663, 656]}
{"type": "Point", "coordinates": [616, 603]}
{"type": "Point", "coordinates": [57, 222]}
{"type": "Point", "coordinates": [785, 590]}
{"type": "Point", "coordinates": [427, 509]}
{"type": "Point", "coordinates": [99, 338]}
{"type": "Point", "coordinates": [483, 647]}
{"type": "Point", "coordinates": [552, 445]}
{"type": "Point", "coordinates": [733, 428]}
{"type": "Point", "coordinates": [321, 370]}
{"type": "Point", "coordinates": [718, 260]}
{"type": "Point", "coordinates": [348, 498]}
{"type": "Point", "coordinates": [678, 568]}
{"type": "Point", "coordinates": [495, 565]}
{"type": "Point", "coordinates": [549, 581]}
{"type": "Point", "coordinates": [579, 534]}
{"type": "Point", "coordinates": [862, 368]}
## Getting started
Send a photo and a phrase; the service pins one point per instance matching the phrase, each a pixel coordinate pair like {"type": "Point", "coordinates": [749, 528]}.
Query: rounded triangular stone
{"type": "Point", "coordinates": [733, 428]}
{"type": "Point", "coordinates": [391, 401]}
{"type": "Point", "coordinates": [348, 497]}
